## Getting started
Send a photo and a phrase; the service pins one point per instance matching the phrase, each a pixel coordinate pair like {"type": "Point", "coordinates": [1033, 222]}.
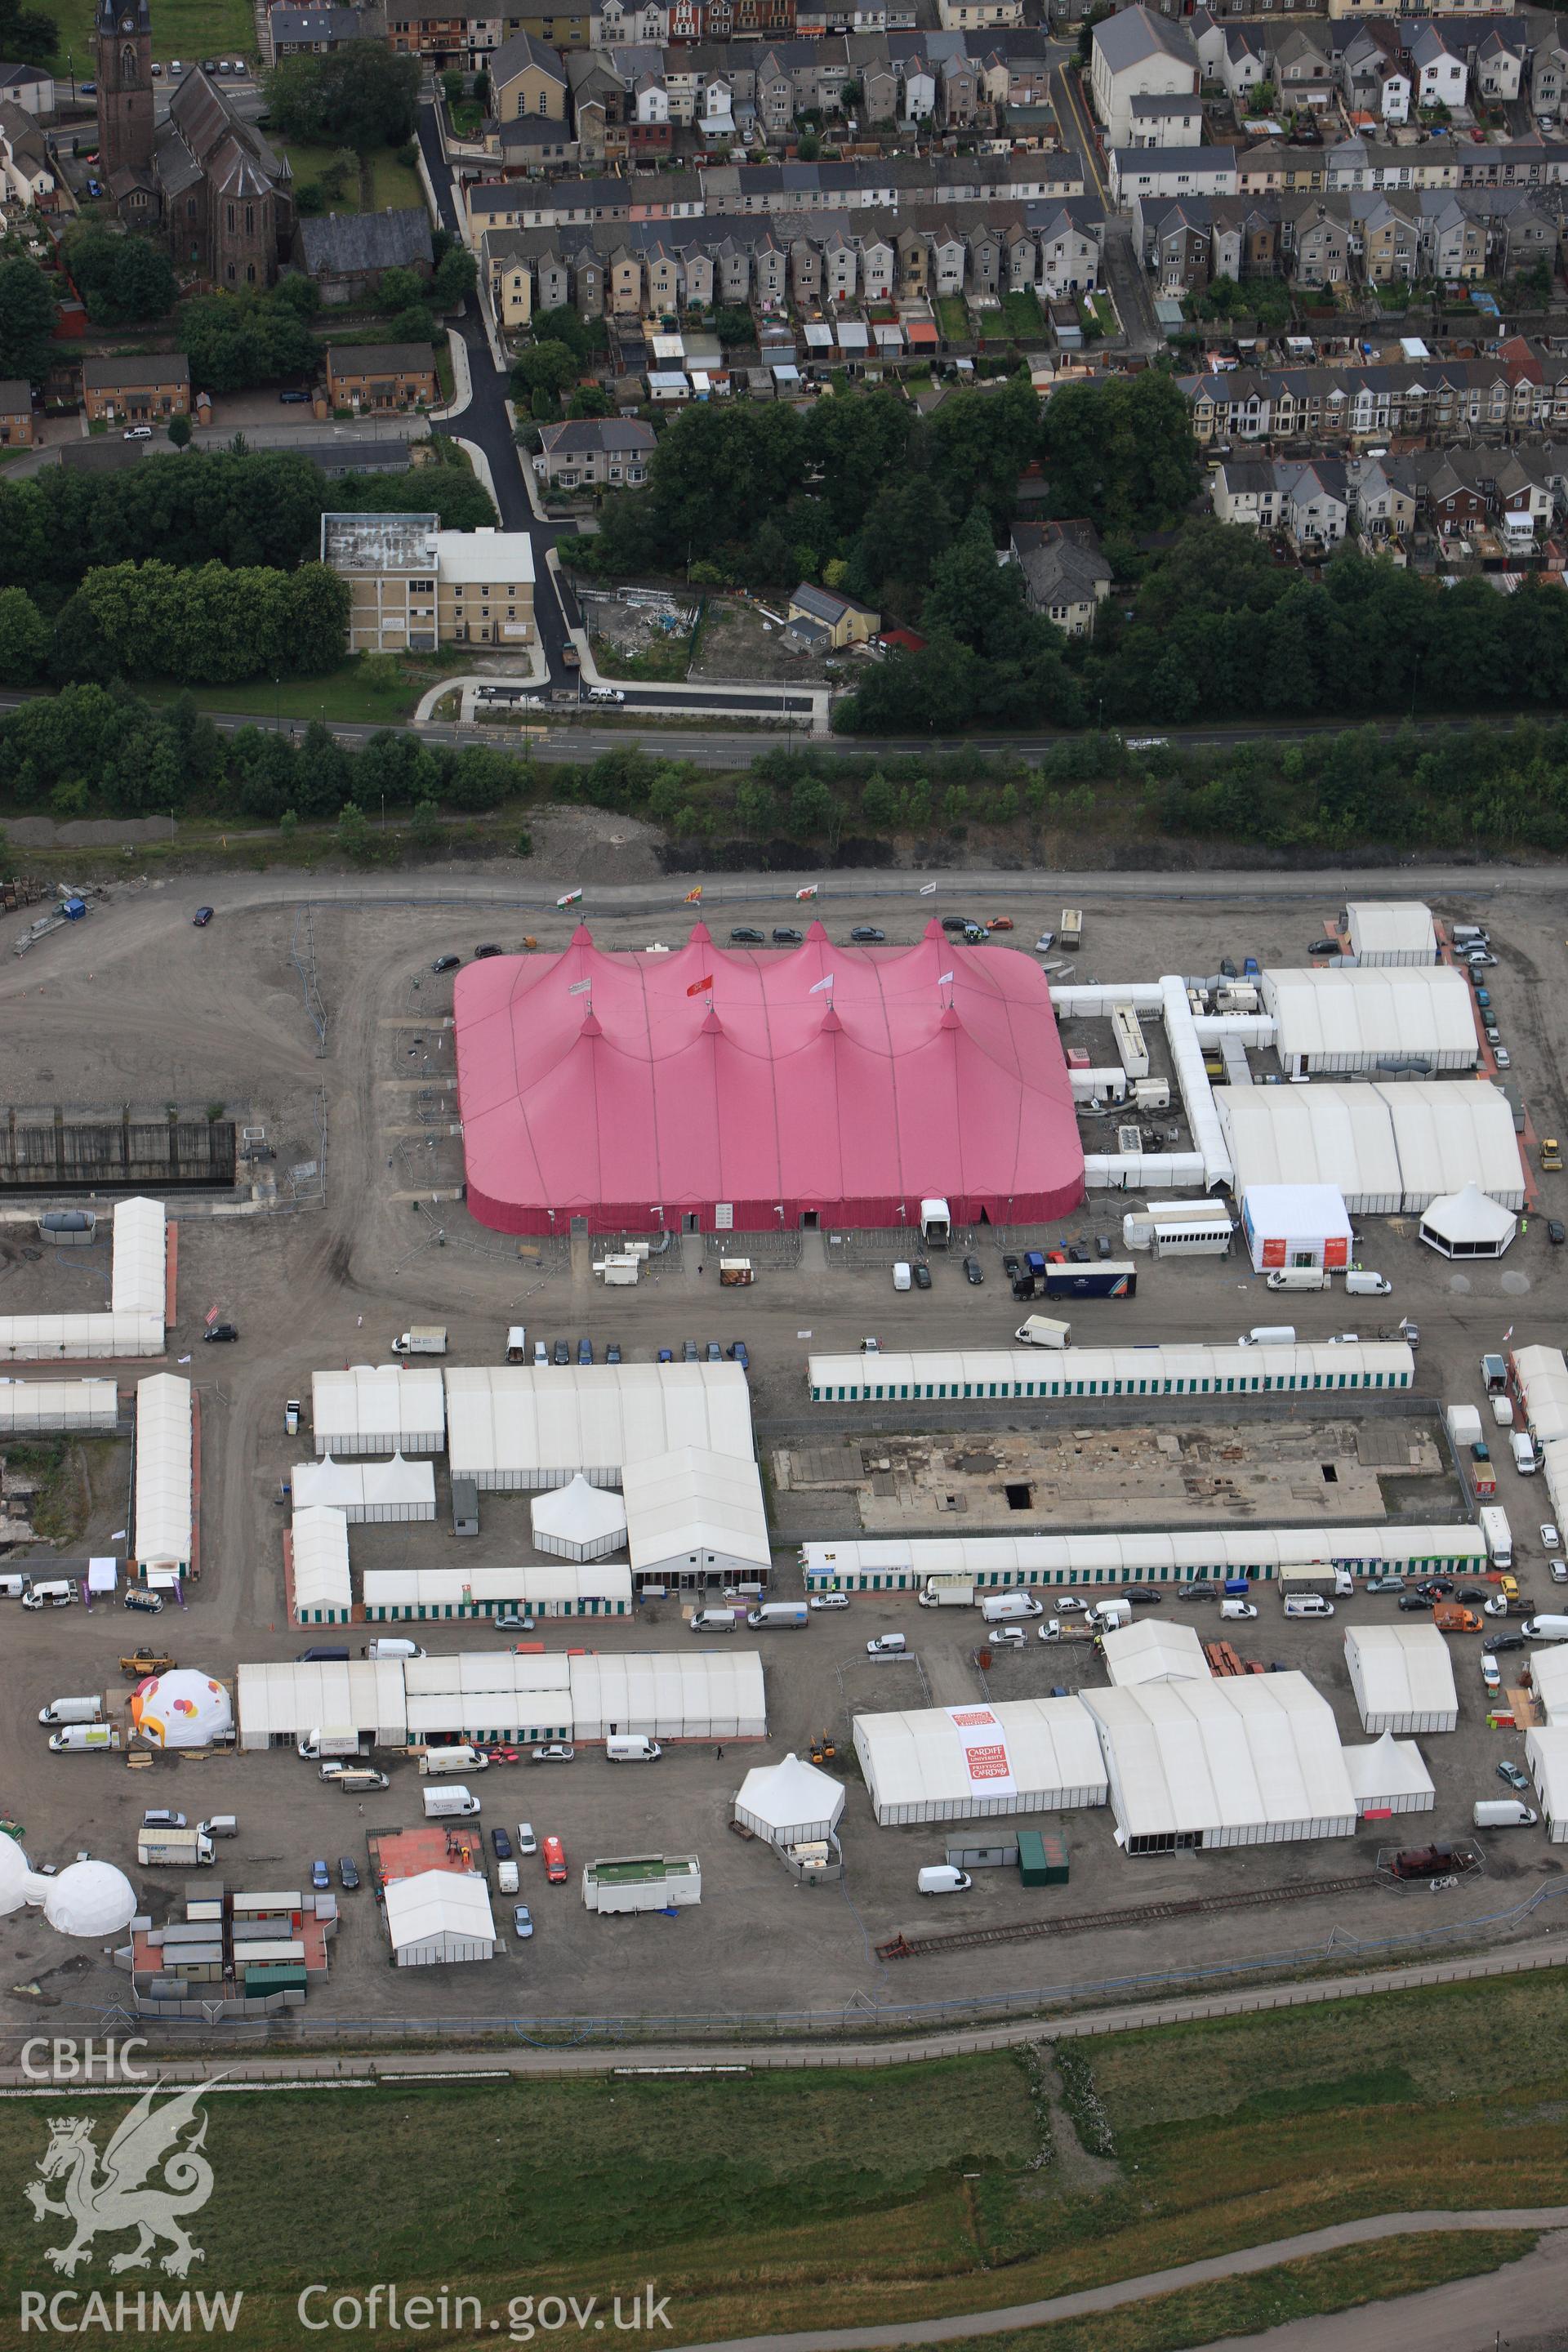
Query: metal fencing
{"type": "Point", "coordinates": [302, 956]}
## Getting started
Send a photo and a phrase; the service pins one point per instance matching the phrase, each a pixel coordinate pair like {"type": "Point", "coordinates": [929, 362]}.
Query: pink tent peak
{"type": "Point", "coordinates": [700, 934]}
{"type": "Point", "coordinates": [581, 937]}
{"type": "Point", "coordinates": [932, 931]}
{"type": "Point", "coordinates": [816, 929]}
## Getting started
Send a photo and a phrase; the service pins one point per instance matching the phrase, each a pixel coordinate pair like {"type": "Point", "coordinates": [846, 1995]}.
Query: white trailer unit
{"type": "Point", "coordinates": [1187, 1228]}
{"type": "Point", "coordinates": [1492, 1521]}
{"type": "Point", "coordinates": [642, 1882]}
{"type": "Point", "coordinates": [1127, 1032]}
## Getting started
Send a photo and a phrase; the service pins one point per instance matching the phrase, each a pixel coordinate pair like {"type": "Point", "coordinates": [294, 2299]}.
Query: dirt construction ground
{"type": "Point", "coordinates": [138, 1004]}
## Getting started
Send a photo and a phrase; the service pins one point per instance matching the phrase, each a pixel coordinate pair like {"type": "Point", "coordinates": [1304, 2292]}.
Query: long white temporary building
{"type": "Point", "coordinates": [1549, 1678]}
{"type": "Point", "coordinates": [513, 1426]}
{"type": "Point", "coordinates": [1187, 1555]}
{"type": "Point", "coordinates": [1238, 1760]}
{"type": "Point", "coordinates": [439, 1917]}
{"type": "Point", "coordinates": [319, 1560]}
{"type": "Point", "coordinates": [379, 1409]}
{"type": "Point", "coordinates": [1541, 1375]}
{"type": "Point", "coordinates": [789, 1802]}
{"type": "Point", "coordinates": [1145, 1651]}
{"type": "Point", "coordinates": [277, 1701]}
{"type": "Point", "coordinates": [1383, 931]}
{"type": "Point", "coordinates": [1343, 1020]}
{"type": "Point", "coordinates": [368, 1492]}
{"type": "Point", "coordinates": [1386, 1148]}
{"type": "Point", "coordinates": [696, 1514]}
{"type": "Point", "coordinates": [1390, 1776]}
{"type": "Point", "coordinates": [1147, 1372]}
{"type": "Point", "coordinates": [690, 1694]}
{"type": "Point", "coordinates": [539, 1587]}
{"type": "Point", "coordinates": [138, 1282]}
{"type": "Point", "coordinates": [28, 1407]}
{"type": "Point", "coordinates": [133, 1325]}
{"type": "Point", "coordinates": [976, 1761]}
{"type": "Point", "coordinates": [1403, 1678]}
{"type": "Point", "coordinates": [1468, 1224]}
{"type": "Point", "coordinates": [1546, 1758]}
{"type": "Point", "coordinates": [578, 1521]}
{"type": "Point", "coordinates": [163, 1520]}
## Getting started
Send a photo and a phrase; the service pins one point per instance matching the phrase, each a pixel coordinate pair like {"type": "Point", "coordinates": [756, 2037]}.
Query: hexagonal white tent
{"type": "Point", "coordinates": [1468, 1224]}
{"type": "Point", "coordinates": [787, 1803]}
{"type": "Point", "coordinates": [578, 1521]}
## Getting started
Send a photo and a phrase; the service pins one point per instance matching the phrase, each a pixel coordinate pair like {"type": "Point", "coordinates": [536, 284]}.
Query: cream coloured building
{"type": "Point", "coordinates": [415, 586]}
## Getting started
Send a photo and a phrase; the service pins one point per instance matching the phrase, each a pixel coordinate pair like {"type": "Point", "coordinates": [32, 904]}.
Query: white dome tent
{"type": "Point", "coordinates": [578, 1521]}
{"type": "Point", "coordinates": [1468, 1225]}
{"type": "Point", "coordinates": [89, 1898]}
{"type": "Point", "coordinates": [181, 1710]}
{"type": "Point", "coordinates": [789, 1802]}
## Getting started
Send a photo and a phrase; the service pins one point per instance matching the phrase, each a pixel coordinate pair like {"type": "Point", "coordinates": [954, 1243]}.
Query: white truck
{"type": "Point", "coordinates": [174, 1850]}
{"type": "Point", "coordinates": [328, 1740]}
{"type": "Point", "coordinates": [936, 1223]}
{"type": "Point", "coordinates": [1042, 1331]}
{"type": "Point", "coordinates": [437, 1760]}
{"type": "Point", "coordinates": [1109, 1616]}
{"type": "Point", "coordinates": [1464, 1423]}
{"type": "Point", "coordinates": [421, 1339]}
{"type": "Point", "coordinates": [1492, 1521]}
{"type": "Point", "coordinates": [774, 1614]}
{"type": "Point", "coordinates": [441, 1804]}
{"type": "Point", "coordinates": [941, 1592]}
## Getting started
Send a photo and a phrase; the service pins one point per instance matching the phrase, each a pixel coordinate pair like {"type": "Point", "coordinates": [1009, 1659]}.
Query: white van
{"type": "Point", "coordinates": [1239, 1610]}
{"type": "Point", "coordinates": [942, 1878]}
{"type": "Point", "coordinates": [452, 1759]}
{"type": "Point", "coordinates": [1270, 1335]}
{"type": "Point", "coordinates": [997, 1608]}
{"type": "Point", "coordinates": [713, 1621]}
{"type": "Point", "coordinates": [632, 1748]}
{"type": "Point", "coordinates": [1504, 1814]}
{"type": "Point", "coordinates": [14, 1588]}
{"type": "Point", "coordinates": [1298, 1277]}
{"type": "Point", "coordinates": [902, 1277]}
{"type": "Point", "coordinates": [506, 1878]}
{"type": "Point", "coordinates": [394, 1649]}
{"type": "Point", "coordinates": [71, 1710]}
{"type": "Point", "coordinates": [1502, 1412]}
{"type": "Point", "coordinates": [1525, 1460]}
{"type": "Point", "coordinates": [57, 1595]}
{"type": "Point", "coordinates": [76, 1736]}
{"type": "Point", "coordinates": [359, 1780]}
{"type": "Point", "coordinates": [440, 1804]}
{"type": "Point", "coordinates": [1308, 1604]}
{"type": "Point", "coordinates": [1363, 1285]}
{"type": "Point", "coordinates": [223, 1825]}
{"type": "Point", "coordinates": [1545, 1629]}
{"type": "Point", "coordinates": [516, 1344]}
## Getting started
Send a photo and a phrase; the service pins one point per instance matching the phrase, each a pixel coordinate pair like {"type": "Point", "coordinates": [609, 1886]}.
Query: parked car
{"type": "Point", "coordinates": [446, 963]}
{"type": "Point", "coordinates": [744, 936]}
{"type": "Point", "coordinates": [561, 1353]}
{"type": "Point", "coordinates": [885, 1645]}
{"type": "Point", "coordinates": [1512, 1775]}
{"type": "Point", "coordinates": [613, 1353]}
{"type": "Point", "coordinates": [1227, 969]}
{"type": "Point", "coordinates": [867, 935]}
{"type": "Point", "coordinates": [1413, 1601]}
{"type": "Point", "coordinates": [1498, 1642]}
{"type": "Point", "coordinates": [1549, 1539]}
{"type": "Point", "coordinates": [559, 1751]}
{"type": "Point", "coordinates": [1491, 1674]}
{"type": "Point", "coordinates": [202, 917]}
{"type": "Point", "coordinates": [1044, 943]}
{"type": "Point", "coordinates": [292, 397]}
{"type": "Point", "coordinates": [1483, 997]}
{"type": "Point", "coordinates": [584, 1351]}
{"type": "Point", "coordinates": [1192, 1593]}
{"type": "Point", "coordinates": [512, 1621]}
{"type": "Point", "coordinates": [348, 1875]}
{"type": "Point", "coordinates": [739, 1353]}
{"type": "Point", "coordinates": [501, 1843]}
{"type": "Point", "coordinates": [526, 1842]}
{"type": "Point", "coordinates": [785, 937]}
{"type": "Point", "coordinates": [554, 1861]}
{"type": "Point", "coordinates": [521, 1922]}
{"type": "Point", "coordinates": [1556, 1232]}
{"type": "Point", "coordinates": [973, 1272]}
{"type": "Point", "coordinates": [221, 1332]}
{"type": "Point", "coordinates": [921, 1273]}
{"type": "Point", "coordinates": [137, 433]}
{"type": "Point", "coordinates": [320, 1876]}
{"type": "Point", "coordinates": [487, 947]}
{"type": "Point", "coordinates": [712, 1352]}
{"type": "Point", "coordinates": [1435, 1588]}
{"type": "Point", "coordinates": [158, 1817]}
{"type": "Point", "coordinates": [1143, 1596]}
{"type": "Point", "coordinates": [688, 1354]}
{"type": "Point", "coordinates": [1557, 1569]}
{"type": "Point", "coordinates": [999, 923]}
{"type": "Point", "coordinates": [1385, 1585]}
{"type": "Point", "coordinates": [959, 923]}
{"type": "Point", "coordinates": [1503, 1058]}
{"type": "Point", "coordinates": [829, 1600]}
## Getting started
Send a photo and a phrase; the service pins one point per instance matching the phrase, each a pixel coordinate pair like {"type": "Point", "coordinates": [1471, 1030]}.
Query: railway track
{"type": "Point", "coordinates": [1145, 1915]}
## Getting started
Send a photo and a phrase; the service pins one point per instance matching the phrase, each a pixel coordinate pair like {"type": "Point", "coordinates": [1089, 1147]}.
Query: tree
{"type": "Point", "coordinates": [236, 341]}
{"type": "Point", "coordinates": [354, 834]}
{"type": "Point", "coordinates": [1096, 15]}
{"type": "Point", "coordinates": [424, 826]}
{"type": "Point", "coordinates": [179, 430]}
{"type": "Point", "coordinates": [363, 94]}
{"type": "Point", "coordinates": [546, 368]}
{"type": "Point", "coordinates": [27, 320]}
{"type": "Point", "coordinates": [457, 275]}
{"type": "Point", "coordinates": [591, 399]}
{"type": "Point", "coordinates": [23, 638]}
{"type": "Point", "coordinates": [453, 89]}
{"type": "Point", "coordinates": [121, 279]}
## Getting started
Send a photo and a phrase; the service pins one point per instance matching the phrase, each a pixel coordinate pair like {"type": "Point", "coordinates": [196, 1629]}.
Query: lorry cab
{"type": "Point", "coordinates": [936, 1223]}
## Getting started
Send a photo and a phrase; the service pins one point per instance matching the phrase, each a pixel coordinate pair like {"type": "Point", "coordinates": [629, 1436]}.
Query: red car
{"type": "Point", "coordinates": [554, 1855]}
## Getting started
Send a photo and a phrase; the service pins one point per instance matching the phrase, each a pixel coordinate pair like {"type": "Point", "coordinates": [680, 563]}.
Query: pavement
{"type": "Point", "coordinates": [1444, 2319]}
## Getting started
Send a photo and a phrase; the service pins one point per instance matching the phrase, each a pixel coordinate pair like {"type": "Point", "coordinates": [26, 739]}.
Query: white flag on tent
{"type": "Point", "coordinates": [580, 988]}
{"type": "Point", "coordinates": [827, 982]}
{"type": "Point", "coordinates": [943, 981]}
{"type": "Point", "coordinates": [928, 889]}
{"type": "Point", "coordinates": [570, 900]}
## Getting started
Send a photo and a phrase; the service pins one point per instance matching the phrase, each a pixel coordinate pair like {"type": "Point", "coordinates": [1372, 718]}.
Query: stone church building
{"type": "Point", "coordinates": [206, 183]}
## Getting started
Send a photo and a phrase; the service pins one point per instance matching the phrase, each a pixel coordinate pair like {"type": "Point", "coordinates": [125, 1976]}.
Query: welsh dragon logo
{"type": "Point", "coordinates": [124, 2195]}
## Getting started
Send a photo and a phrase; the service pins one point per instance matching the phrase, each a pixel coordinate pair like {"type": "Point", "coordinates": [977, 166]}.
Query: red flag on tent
{"type": "Point", "coordinates": [694, 897]}
{"type": "Point", "coordinates": [700, 987]}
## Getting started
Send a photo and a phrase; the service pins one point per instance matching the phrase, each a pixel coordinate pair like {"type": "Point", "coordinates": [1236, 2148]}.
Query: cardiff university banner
{"type": "Point", "coordinates": [984, 1746]}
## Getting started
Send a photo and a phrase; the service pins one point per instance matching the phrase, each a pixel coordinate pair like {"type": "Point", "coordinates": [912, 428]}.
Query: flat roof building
{"type": "Point", "coordinates": [414, 586]}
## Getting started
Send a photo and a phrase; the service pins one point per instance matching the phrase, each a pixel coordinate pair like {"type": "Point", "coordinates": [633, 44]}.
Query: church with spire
{"type": "Point", "coordinates": [203, 182]}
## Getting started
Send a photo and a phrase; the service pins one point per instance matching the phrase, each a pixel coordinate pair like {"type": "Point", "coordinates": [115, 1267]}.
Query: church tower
{"type": "Point", "coordinates": [124, 33]}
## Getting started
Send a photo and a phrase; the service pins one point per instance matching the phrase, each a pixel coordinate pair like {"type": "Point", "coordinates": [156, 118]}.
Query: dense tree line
{"type": "Point", "coordinates": [121, 279]}
{"type": "Point", "coordinates": [1218, 629]}
{"type": "Point", "coordinates": [212, 623]}
{"type": "Point", "coordinates": [215, 506]}
{"type": "Point", "coordinates": [363, 95]}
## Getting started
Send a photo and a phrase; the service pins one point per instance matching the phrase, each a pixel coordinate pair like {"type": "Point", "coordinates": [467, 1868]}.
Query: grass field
{"type": "Point", "coordinates": [336, 694]}
{"type": "Point", "coordinates": [1023, 316]}
{"type": "Point", "coordinates": [782, 2201]}
{"type": "Point", "coordinates": [953, 317]}
{"type": "Point", "coordinates": [186, 29]}
{"type": "Point", "coordinates": [383, 181]}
